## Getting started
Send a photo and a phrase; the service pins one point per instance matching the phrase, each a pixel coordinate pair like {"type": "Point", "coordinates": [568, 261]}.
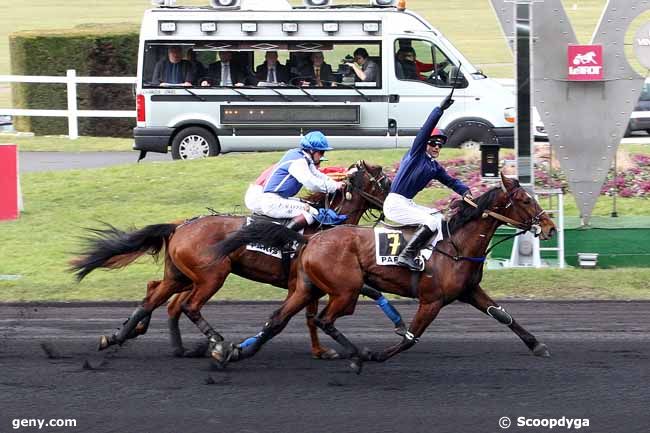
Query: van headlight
{"type": "Point", "coordinates": [510, 114]}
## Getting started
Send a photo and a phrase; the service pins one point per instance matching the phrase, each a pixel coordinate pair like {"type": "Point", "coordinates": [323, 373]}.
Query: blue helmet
{"type": "Point", "coordinates": [315, 140]}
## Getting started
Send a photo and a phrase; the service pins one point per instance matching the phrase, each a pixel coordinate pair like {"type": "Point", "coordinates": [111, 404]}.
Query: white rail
{"type": "Point", "coordinates": [72, 113]}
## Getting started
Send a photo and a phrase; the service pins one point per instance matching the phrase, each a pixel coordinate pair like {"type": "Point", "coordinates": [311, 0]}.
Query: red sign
{"type": "Point", "coordinates": [585, 62]}
{"type": "Point", "coordinates": [8, 182]}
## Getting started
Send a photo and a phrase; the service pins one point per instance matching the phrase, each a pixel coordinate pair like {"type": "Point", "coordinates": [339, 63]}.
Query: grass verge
{"type": "Point", "coordinates": [36, 247]}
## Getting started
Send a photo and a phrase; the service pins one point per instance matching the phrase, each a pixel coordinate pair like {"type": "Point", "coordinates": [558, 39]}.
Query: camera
{"type": "Point", "coordinates": [344, 68]}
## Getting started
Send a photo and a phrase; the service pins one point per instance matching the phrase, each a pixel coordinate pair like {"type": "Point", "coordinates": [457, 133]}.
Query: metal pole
{"type": "Point", "coordinates": [523, 75]}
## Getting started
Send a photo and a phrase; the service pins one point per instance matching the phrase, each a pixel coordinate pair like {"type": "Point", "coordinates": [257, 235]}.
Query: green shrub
{"type": "Point", "coordinates": [93, 50]}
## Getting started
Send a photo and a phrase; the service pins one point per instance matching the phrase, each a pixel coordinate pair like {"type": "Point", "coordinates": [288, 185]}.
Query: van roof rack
{"type": "Point", "coordinates": [347, 6]}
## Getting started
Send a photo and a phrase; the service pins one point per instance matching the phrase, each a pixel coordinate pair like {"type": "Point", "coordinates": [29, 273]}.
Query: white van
{"type": "Point", "coordinates": [205, 86]}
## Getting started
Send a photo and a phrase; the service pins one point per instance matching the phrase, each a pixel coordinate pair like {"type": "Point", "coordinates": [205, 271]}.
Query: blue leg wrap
{"type": "Point", "coordinates": [389, 310]}
{"type": "Point", "coordinates": [249, 341]}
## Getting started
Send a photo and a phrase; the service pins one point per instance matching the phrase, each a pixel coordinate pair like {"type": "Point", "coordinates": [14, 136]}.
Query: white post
{"type": "Point", "coordinates": [71, 82]}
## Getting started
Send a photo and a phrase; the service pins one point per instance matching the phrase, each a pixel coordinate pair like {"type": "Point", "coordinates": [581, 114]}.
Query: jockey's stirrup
{"type": "Point", "coordinates": [408, 257]}
{"type": "Point", "coordinates": [297, 223]}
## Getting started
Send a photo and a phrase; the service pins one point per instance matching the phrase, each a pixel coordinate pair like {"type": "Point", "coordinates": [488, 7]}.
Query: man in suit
{"type": "Point", "coordinates": [173, 70]}
{"type": "Point", "coordinates": [271, 71]}
{"type": "Point", "coordinates": [319, 73]}
{"type": "Point", "coordinates": [225, 73]}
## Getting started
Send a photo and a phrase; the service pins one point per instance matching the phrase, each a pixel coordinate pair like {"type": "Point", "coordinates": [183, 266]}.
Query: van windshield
{"type": "Point", "coordinates": [207, 64]}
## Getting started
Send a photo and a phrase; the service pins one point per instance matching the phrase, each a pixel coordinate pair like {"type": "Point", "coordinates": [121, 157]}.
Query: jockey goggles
{"type": "Point", "coordinates": [436, 141]}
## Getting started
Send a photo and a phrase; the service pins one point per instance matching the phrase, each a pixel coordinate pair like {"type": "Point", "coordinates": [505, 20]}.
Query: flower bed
{"type": "Point", "coordinates": [633, 180]}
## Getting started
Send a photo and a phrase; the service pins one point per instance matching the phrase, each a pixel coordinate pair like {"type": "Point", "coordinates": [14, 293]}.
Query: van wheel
{"type": "Point", "coordinates": [470, 135]}
{"type": "Point", "coordinates": [194, 143]}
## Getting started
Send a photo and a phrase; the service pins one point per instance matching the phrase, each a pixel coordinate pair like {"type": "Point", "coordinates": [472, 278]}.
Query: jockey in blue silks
{"type": "Point", "coordinates": [296, 169]}
{"type": "Point", "coordinates": [417, 168]}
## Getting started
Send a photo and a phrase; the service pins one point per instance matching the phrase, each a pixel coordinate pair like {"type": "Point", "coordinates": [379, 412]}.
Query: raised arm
{"type": "Point", "coordinates": [420, 142]}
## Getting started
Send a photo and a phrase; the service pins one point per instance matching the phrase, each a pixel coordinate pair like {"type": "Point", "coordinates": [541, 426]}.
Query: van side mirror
{"type": "Point", "coordinates": [457, 78]}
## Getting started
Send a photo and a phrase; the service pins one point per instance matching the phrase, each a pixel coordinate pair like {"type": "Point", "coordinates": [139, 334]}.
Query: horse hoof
{"type": "Point", "coordinates": [327, 354]}
{"type": "Point", "coordinates": [103, 343]}
{"type": "Point", "coordinates": [221, 354]}
{"type": "Point", "coordinates": [540, 349]}
{"type": "Point", "coordinates": [401, 329]}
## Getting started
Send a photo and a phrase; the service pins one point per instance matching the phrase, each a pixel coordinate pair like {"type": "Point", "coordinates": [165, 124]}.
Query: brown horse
{"type": "Point", "coordinates": [192, 271]}
{"type": "Point", "coordinates": [338, 262]}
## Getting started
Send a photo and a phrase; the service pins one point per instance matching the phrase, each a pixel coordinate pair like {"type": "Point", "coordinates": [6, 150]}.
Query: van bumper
{"type": "Point", "coordinates": [152, 139]}
{"type": "Point", "coordinates": [505, 136]}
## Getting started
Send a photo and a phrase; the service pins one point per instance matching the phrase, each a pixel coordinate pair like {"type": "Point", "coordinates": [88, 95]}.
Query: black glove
{"type": "Point", "coordinates": [446, 103]}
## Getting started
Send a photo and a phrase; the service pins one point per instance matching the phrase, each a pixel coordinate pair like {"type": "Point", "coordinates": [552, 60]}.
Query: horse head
{"type": "Point", "coordinates": [369, 181]}
{"type": "Point", "coordinates": [521, 207]}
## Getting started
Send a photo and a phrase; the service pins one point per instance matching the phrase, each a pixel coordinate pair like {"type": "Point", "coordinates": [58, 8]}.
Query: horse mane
{"type": "Point", "coordinates": [465, 213]}
{"type": "Point", "coordinates": [318, 198]}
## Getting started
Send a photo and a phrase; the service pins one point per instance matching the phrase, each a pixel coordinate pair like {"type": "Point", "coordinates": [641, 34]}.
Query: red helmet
{"type": "Point", "coordinates": [438, 135]}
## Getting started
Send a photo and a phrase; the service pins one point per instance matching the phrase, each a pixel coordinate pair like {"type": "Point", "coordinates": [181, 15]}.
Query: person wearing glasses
{"type": "Point", "coordinates": [417, 168]}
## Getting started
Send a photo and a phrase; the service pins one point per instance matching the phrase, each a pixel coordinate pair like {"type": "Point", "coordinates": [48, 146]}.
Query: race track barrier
{"type": "Point", "coordinates": [72, 113]}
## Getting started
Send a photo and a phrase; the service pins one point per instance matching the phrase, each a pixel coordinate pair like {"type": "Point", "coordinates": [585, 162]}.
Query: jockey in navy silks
{"type": "Point", "coordinates": [417, 168]}
{"type": "Point", "coordinates": [296, 169]}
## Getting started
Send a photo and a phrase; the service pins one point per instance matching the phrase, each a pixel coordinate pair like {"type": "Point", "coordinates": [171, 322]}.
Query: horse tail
{"type": "Point", "coordinates": [266, 233]}
{"type": "Point", "coordinates": [113, 248]}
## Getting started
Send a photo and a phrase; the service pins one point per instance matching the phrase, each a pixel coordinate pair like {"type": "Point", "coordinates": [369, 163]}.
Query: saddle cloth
{"type": "Point", "coordinates": [389, 243]}
{"type": "Point", "coordinates": [273, 252]}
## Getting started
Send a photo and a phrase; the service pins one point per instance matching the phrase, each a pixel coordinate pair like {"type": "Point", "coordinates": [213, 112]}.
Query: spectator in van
{"type": "Point", "coordinates": [271, 70]}
{"type": "Point", "coordinates": [198, 70]}
{"type": "Point", "coordinates": [173, 70]}
{"type": "Point", "coordinates": [363, 68]}
{"type": "Point", "coordinates": [225, 72]}
{"type": "Point", "coordinates": [405, 67]}
{"type": "Point", "coordinates": [319, 73]}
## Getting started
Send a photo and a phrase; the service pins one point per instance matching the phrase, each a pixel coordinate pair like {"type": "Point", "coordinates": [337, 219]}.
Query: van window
{"type": "Point", "coordinates": [421, 60]}
{"type": "Point", "coordinates": [262, 64]}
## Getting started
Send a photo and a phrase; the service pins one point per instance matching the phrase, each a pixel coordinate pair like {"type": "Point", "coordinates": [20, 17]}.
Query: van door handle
{"type": "Point", "coordinates": [393, 99]}
{"type": "Point", "coordinates": [392, 127]}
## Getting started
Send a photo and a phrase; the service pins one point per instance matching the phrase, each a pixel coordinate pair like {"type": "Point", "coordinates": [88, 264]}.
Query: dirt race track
{"type": "Point", "coordinates": [466, 373]}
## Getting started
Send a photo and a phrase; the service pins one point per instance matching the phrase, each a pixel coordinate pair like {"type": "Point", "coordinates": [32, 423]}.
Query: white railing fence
{"type": "Point", "coordinates": [72, 112]}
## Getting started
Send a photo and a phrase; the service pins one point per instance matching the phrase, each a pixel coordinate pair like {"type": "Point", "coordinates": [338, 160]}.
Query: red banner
{"type": "Point", "coordinates": [8, 182]}
{"type": "Point", "coordinates": [585, 62]}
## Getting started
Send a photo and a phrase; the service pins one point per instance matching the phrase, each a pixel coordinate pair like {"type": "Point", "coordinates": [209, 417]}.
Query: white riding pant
{"type": "Point", "coordinates": [253, 198]}
{"type": "Point", "coordinates": [276, 206]}
{"type": "Point", "coordinates": [405, 211]}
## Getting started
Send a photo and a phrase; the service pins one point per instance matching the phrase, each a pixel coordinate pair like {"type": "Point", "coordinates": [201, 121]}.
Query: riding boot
{"type": "Point", "coordinates": [297, 223]}
{"type": "Point", "coordinates": [407, 258]}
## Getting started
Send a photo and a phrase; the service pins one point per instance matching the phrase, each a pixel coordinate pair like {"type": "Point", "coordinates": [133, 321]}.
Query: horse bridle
{"type": "Point", "coordinates": [379, 182]}
{"type": "Point", "coordinates": [529, 225]}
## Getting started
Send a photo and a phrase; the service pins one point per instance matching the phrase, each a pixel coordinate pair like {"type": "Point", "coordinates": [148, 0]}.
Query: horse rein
{"type": "Point", "coordinates": [534, 223]}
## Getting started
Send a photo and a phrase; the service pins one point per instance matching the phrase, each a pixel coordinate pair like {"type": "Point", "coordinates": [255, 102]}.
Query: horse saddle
{"type": "Point", "coordinates": [286, 253]}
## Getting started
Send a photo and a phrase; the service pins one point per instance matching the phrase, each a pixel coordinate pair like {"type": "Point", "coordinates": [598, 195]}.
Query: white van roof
{"type": "Point", "coordinates": [270, 14]}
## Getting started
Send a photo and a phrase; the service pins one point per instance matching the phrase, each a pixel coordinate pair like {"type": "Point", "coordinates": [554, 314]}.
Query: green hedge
{"type": "Point", "coordinates": [93, 50]}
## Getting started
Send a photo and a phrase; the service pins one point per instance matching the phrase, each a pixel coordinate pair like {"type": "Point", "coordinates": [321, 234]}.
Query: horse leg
{"type": "Point", "coordinates": [142, 326]}
{"type": "Point", "coordinates": [159, 296]}
{"type": "Point", "coordinates": [482, 301]}
{"type": "Point", "coordinates": [422, 319]}
{"type": "Point", "coordinates": [174, 311]}
{"type": "Point", "coordinates": [203, 290]}
{"type": "Point", "coordinates": [317, 350]}
{"type": "Point", "coordinates": [226, 352]}
{"type": "Point", "coordinates": [389, 310]}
